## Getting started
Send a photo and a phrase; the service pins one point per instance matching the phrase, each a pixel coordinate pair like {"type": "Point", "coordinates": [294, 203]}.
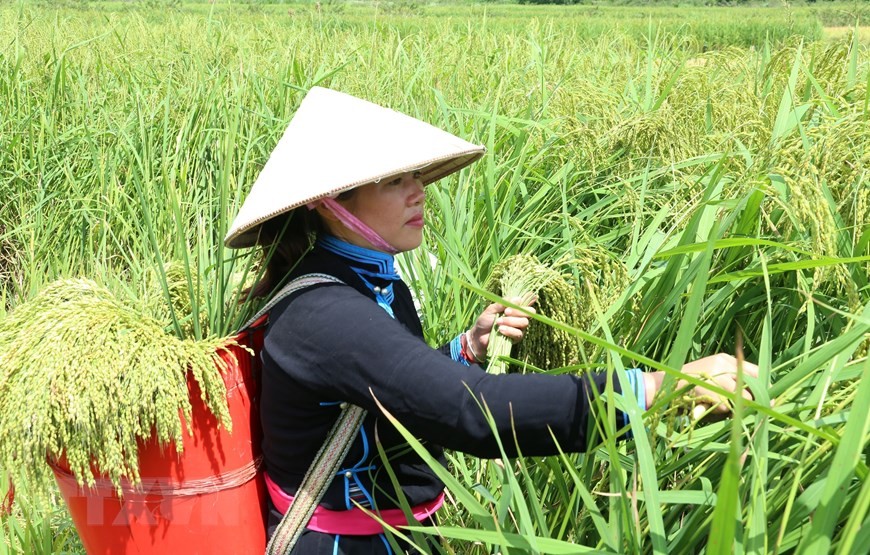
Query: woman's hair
{"type": "Point", "coordinates": [283, 242]}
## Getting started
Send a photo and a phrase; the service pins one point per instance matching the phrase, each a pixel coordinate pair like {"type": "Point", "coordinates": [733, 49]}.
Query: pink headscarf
{"type": "Point", "coordinates": [354, 224]}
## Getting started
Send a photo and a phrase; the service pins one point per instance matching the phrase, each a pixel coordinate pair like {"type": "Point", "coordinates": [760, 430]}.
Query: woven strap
{"type": "Point", "coordinates": [317, 479]}
{"type": "Point", "coordinates": [297, 284]}
{"type": "Point", "coordinates": [331, 454]}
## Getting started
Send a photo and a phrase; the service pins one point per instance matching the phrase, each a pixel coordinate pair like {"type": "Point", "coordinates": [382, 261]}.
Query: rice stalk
{"type": "Point", "coordinates": [86, 377]}
{"type": "Point", "coordinates": [598, 124]}
{"type": "Point", "coordinates": [523, 276]}
{"type": "Point", "coordinates": [824, 170]}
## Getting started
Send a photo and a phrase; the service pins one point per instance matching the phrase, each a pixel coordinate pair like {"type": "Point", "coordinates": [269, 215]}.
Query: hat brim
{"type": "Point", "coordinates": [431, 172]}
{"type": "Point", "coordinates": [336, 142]}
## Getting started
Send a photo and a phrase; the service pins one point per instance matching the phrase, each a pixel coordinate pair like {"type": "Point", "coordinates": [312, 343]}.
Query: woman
{"type": "Point", "coordinates": [353, 175]}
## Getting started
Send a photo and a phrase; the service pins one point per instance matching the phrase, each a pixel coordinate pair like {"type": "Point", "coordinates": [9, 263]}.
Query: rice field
{"type": "Point", "coordinates": [699, 176]}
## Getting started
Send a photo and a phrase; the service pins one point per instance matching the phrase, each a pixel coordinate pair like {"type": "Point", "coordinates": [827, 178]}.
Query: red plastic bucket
{"type": "Point", "coordinates": [208, 499]}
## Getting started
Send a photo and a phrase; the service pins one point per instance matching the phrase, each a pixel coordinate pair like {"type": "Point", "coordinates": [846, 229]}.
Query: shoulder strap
{"type": "Point", "coordinates": [329, 457]}
{"type": "Point", "coordinates": [297, 284]}
{"type": "Point", "coordinates": [316, 480]}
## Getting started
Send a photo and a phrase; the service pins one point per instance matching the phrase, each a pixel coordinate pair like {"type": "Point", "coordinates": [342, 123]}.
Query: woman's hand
{"type": "Point", "coordinates": [511, 323]}
{"type": "Point", "coordinates": [719, 370]}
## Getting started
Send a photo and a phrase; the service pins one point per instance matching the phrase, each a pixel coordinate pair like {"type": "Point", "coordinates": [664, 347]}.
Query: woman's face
{"type": "Point", "coordinates": [392, 208]}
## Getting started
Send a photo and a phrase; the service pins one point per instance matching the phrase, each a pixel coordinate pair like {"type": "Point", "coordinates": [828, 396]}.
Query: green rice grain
{"type": "Point", "coordinates": [542, 346]}
{"type": "Point", "coordinates": [86, 377]}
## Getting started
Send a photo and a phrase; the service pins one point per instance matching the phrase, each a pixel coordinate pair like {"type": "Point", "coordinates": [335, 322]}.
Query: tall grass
{"type": "Point", "coordinates": [698, 196]}
{"type": "Point", "coordinates": [35, 523]}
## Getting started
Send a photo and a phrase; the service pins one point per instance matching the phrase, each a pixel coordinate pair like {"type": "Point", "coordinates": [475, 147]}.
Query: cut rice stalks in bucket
{"type": "Point", "coordinates": [85, 377]}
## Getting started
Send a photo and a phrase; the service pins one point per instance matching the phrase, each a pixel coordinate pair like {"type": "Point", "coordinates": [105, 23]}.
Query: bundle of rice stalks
{"type": "Point", "coordinates": [184, 304]}
{"type": "Point", "coordinates": [85, 377]}
{"type": "Point", "coordinates": [606, 278]}
{"type": "Point", "coordinates": [8, 263]}
{"type": "Point", "coordinates": [542, 346]}
{"type": "Point", "coordinates": [827, 198]}
{"type": "Point", "coordinates": [827, 62]}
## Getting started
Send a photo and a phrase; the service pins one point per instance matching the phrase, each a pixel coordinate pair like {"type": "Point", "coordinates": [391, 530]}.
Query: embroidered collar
{"type": "Point", "coordinates": [364, 261]}
{"type": "Point", "coordinates": [376, 269]}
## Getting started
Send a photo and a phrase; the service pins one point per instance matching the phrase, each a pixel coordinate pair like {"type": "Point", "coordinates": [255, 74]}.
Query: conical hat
{"type": "Point", "coordinates": [336, 142]}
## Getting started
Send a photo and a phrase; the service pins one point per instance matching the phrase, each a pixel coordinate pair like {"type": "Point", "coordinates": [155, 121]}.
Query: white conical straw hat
{"type": "Point", "coordinates": [336, 142]}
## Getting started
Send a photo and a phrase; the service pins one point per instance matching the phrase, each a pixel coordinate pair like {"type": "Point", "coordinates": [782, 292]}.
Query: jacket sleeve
{"type": "Point", "coordinates": [338, 343]}
{"type": "Point", "coordinates": [447, 350]}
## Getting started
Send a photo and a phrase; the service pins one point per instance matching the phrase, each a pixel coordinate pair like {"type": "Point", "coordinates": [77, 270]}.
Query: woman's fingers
{"type": "Point", "coordinates": [513, 323]}
{"type": "Point", "coordinates": [518, 322]}
{"type": "Point", "coordinates": [522, 313]}
{"type": "Point", "coordinates": [512, 327]}
{"type": "Point", "coordinates": [514, 334]}
{"type": "Point", "coordinates": [706, 398]}
{"type": "Point", "coordinates": [493, 309]}
{"type": "Point", "coordinates": [749, 368]}
{"type": "Point", "coordinates": [720, 370]}
{"type": "Point", "coordinates": [510, 322]}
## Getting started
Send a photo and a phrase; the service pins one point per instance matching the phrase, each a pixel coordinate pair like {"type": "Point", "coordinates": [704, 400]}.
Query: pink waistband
{"type": "Point", "coordinates": [353, 522]}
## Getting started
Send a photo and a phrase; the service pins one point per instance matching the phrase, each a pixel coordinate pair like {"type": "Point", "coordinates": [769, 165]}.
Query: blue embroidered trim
{"type": "Point", "coordinates": [639, 388]}
{"type": "Point", "coordinates": [355, 491]}
{"type": "Point", "coordinates": [456, 350]}
{"type": "Point", "coordinates": [385, 264]}
{"type": "Point", "coordinates": [635, 381]}
{"type": "Point", "coordinates": [384, 269]}
{"type": "Point", "coordinates": [386, 544]}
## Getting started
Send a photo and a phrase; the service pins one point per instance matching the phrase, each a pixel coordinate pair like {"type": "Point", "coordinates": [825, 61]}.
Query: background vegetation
{"type": "Point", "coordinates": [698, 174]}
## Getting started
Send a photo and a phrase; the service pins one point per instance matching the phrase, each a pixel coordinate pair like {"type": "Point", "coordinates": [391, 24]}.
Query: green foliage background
{"type": "Point", "coordinates": [700, 174]}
